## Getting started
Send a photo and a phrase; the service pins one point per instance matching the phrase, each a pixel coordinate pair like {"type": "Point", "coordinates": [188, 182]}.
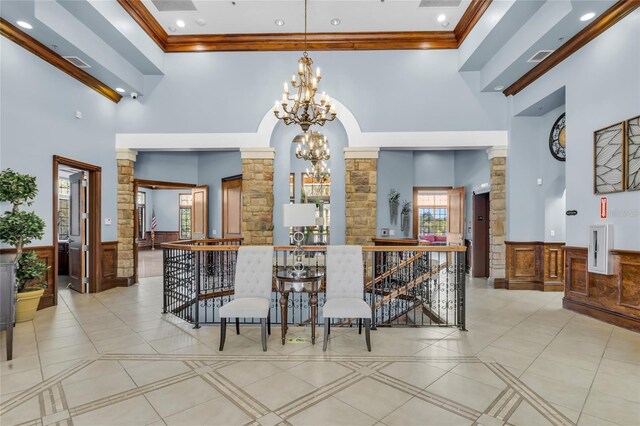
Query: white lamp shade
{"type": "Point", "coordinates": [299, 215]}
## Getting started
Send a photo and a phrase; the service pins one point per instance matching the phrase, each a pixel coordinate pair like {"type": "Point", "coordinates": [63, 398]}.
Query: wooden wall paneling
{"type": "Point", "coordinates": [553, 264]}
{"type": "Point", "coordinates": [577, 276]}
{"type": "Point", "coordinates": [46, 255]}
{"type": "Point", "coordinates": [161, 237]}
{"type": "Point", "coordinates": [613, 298]}
{"type": "Point", "coordinates": [109, 267]}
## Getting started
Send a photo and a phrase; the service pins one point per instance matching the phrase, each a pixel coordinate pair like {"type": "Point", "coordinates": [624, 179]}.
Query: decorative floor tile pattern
{"type": "Point", "coordinates": [111, 358]}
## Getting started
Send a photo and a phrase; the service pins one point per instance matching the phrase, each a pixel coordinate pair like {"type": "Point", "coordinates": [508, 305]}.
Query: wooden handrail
{"type": "Point", "coordinates": [367, 249]}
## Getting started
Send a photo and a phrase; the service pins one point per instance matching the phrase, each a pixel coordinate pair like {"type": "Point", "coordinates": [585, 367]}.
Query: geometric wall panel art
{"type": "Point", "coordinates": [609, 159]}
{"type": "Point", "coordinates": [633, 154]}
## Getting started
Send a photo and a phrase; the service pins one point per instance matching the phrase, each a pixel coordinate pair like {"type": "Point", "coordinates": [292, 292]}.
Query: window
{"type": "Point", "coordinates": [292, 187]}
{"type": "Point", "coordinates": [63, 208]}
{"type": "Point", "coordinates": [141, 202]}
{"type": "Point", "coordinates": [431, 206]}
{"type": "Point", "coordinates": [184, 205]}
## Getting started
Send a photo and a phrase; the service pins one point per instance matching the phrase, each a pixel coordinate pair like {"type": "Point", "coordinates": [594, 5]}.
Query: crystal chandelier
{"type": "Point", "coordinates": [302, 108]}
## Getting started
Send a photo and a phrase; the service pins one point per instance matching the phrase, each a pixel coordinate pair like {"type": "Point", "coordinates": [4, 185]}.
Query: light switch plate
{"type": "Point", "coordinates": [107, 221]}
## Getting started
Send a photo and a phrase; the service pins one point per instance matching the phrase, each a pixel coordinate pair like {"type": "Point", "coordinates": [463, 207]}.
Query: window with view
{"type": "Point", "coordinates": [184, 205]}
{"type": "Point", "coordinates": [63, 208]}
{"type": "Point", "coordinates": [431, 207]}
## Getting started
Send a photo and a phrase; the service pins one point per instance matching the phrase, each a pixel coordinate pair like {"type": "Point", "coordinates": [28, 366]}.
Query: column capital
{"type": "Point", "coordinates": [496, 151]}
{"type": "Point", "coordinates": [126, 154]}
{"type": "Point", "coordinates": [357, 152]}
{"type": "Point", "coordinates": [258, 153]}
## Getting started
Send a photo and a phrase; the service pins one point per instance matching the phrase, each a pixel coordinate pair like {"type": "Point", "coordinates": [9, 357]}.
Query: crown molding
{"type": "Point", "coordinates": [34, 46]}
{"type": "Point", "coordinates": [602, 23]}
{"type": "Point", "coordinates": [470, 18]}
{"type": "Point", "coordinates": [396, 40]}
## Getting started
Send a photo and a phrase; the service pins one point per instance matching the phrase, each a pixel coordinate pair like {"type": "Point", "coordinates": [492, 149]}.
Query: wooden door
{"type": "Point", "coordinates": [480, 247]}
{"type": "Point", "coordinates": [232, 207]}
{"type": "Point", "coordinates": [200, 212]}
{"type": "Point", "coordinates": [455, 208]}
{"type": "Point", "coordinates": [77, 231]}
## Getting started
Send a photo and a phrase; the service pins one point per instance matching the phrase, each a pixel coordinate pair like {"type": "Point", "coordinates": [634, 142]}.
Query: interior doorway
{"type": "Point", "coordinates": [76, 234]}
{"type": "Point", "coordinates": [480, 235]}
{"type": "Point", "coordinates": [232, 207]}
{"type": "Point", "coordinates": [163, 213]}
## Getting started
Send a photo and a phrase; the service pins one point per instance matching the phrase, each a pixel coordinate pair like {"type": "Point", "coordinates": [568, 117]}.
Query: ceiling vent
{"type": "Point", "coordinates": [440, 3]}
{"type": "Point", "coordinates": [540, 56]}
{"type": "Point", "coordinates": [77, 61]}
{"type": "Point", "coordinates": [174, 5]}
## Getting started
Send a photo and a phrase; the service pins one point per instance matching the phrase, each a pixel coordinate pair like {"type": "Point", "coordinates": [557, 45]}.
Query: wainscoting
{"type": "Point", "coordinates": [161, 237]}
{"type": "Point", "coordinates": [109, 267]}
{"type": "Point", "coordinates": [45, 254]}
{"type": "Point", "coordinates": [612, 298]}
{"type": "Point", "coordinates": [534, 265]}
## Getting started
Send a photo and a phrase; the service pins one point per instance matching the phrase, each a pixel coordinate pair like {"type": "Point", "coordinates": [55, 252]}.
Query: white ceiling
{"type": "Point", "coordinates": [259, 16]}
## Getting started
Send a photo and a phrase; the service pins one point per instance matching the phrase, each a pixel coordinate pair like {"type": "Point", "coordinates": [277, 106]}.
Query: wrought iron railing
{"type": "Point", "coordinates": [405, 286]}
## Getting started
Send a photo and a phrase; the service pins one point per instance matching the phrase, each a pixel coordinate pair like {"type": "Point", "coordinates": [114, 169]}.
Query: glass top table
{"type": "Point", "coordinates": [307, 281]}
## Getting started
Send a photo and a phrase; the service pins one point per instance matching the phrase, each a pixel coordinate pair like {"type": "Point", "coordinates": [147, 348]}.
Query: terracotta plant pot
{"type": "Point", "coordinates": [27, 304]}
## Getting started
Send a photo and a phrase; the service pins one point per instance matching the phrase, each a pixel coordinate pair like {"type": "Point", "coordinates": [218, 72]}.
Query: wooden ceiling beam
{"type": "Point", "coordinates": [34, 46]}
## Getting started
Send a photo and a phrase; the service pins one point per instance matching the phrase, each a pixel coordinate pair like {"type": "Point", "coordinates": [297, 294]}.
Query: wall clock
{"type": "Point", "coordinates": [557, 140]}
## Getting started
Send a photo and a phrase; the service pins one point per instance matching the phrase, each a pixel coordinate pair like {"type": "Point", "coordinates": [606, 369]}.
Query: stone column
{"type": "Point", "coordinates": [497, 215]}
{"type": "Point", "coordinates": [257, 195]}
{"type": "Point", "coordinates": [126, 204]}
{"type": "Point", "coordinates": [361, 194]}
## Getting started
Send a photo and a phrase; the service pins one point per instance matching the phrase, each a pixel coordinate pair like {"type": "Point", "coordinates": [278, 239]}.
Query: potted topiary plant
{"type": "Point", "coordinates": [18, 228]}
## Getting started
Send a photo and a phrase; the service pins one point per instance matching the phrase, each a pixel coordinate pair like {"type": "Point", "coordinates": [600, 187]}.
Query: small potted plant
{"type": "Point", "coordinates": [394, 203]}
{"type": "Point", "coordinates": [18, 228]}
{"type": "Point", "coordinates": [405, 213]}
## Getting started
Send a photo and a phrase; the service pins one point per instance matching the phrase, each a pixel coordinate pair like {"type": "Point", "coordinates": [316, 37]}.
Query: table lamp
{"type": "Point", "coordinates": [298, 215]}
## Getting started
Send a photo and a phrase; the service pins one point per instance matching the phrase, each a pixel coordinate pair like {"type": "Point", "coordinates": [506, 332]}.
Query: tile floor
{"type": "Point", "coordinates": [149, 263]}
{"type": "Point", "coordinates": [112, 358]}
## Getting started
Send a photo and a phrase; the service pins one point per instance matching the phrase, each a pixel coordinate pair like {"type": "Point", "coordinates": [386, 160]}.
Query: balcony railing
{"type": "Point", "coordinates": [405, 286]}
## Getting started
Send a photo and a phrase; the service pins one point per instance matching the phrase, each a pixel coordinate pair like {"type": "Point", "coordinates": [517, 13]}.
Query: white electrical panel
{"type": "Point", "coordinates": [600, 243]}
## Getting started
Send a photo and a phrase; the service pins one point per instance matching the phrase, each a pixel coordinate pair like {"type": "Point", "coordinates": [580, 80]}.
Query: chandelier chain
{"type": "Point", "coordinates": [305, 27]}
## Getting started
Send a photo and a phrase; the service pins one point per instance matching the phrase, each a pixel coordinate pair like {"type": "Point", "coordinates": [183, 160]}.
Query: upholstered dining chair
{"type": "Point", "coordinates": [254, 271]}
{"type": "Point", "coordinates": [345, 289]}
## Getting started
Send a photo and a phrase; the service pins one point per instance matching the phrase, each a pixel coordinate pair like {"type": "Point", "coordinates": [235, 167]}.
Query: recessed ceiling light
{"type": "Point", "coordinates": [498, 88]}
{"type": "Point", "coordinates": [335, 22]}
{"type": "Point", "coordinates": [587, 16]}
{"type": "Point", "coordinates": [120, 90]}
{"type": "Point", "coordinates": [445, 24]}
{"type": "Point", "coordinates": [172, 28]}
{"type": "Point", "coordinates": [25, 24]}
{"type": "Point", "coordinates": [279, 22]}
{"type": "Point", "coordinates": [201, 22]}
{"type": "Point", "coordinates": [180, 23]}
{"type": "Point", "coordinates": [442, 17]}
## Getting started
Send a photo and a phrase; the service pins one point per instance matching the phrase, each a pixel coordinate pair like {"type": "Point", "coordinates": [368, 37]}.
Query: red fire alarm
{"type": "Point", "coordinates": [603, 207]}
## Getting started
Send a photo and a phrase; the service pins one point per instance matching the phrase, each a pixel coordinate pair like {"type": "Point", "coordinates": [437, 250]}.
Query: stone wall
{"type": "Point", "coordinates": [497, 220]}
{"type": "Point", "coordinates": [361, 188]}
{"type": "Point", "coordinates": [257, 200]}
{"type": "Point", "coordinates": [125, 217]}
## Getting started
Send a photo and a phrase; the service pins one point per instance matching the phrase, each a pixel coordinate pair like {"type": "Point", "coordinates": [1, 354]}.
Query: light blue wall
{"type": "Point", "coordinates": [535, 210]}
{"type": "Point", "coordinates": [165, 206]}
{"type": "Point", "coordinates": [386, 91]}
{"type": "Point", "coordinates": [471, 170]}
{"type": "Point", "coordinates": [212, 168]}
{"type": "Point", "coordinates": [179, 167]}
{"type": "Point", "coordinates": [38, 104]}
{"type": "Point", "coordinates": [395, 171]}
{"type": "Point", "coordinates": [433, 168]}
{"type": "Point", "coordinates": [602, 88]}
{"type": "Point", "coordinates": [285, 163]}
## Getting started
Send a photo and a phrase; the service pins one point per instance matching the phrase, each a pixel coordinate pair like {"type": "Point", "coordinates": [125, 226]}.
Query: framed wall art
{"type": "Point", "coordinates": [633, 154]}
{"type": "Point", "coordinates": [609, 165]}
